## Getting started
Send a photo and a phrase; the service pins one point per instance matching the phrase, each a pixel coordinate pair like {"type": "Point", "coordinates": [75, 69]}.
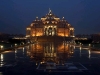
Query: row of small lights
{"type": "Point", "coordinates": [1, 46]}
{"type": "Point", "coordinates": [82, 44]}
{"type": "Point", "coordinates": [16, 44]}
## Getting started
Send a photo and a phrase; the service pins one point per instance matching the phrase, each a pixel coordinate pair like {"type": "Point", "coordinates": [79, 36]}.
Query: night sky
{"type": "Point", "coordinates": [83, 15]}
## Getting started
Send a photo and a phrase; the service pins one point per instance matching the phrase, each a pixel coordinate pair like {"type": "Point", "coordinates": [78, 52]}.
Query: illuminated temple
{"type": "Point", "coordinates": [50, 28]}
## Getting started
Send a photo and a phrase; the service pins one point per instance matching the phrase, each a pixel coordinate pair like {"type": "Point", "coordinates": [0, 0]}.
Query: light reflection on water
{"type": "Point", "coordinates": [57, 52]}
{"type": "Point", "coordinates": [43, 52]}
{"type": "Point", "coordinates": [1, 60]}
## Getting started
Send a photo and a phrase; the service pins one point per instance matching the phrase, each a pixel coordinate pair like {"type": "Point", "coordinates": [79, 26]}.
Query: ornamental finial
{"type": "Point", "coordinates": [49, 10]}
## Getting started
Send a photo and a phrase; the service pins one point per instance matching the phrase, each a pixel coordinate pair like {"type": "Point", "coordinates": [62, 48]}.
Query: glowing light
{"type": "Point", "coordinates": [55, 26]}
{"type": "Point", "coordinates": [71, 28]}
{"type": "Point", "coordinates": [36, 17]}
{"type": "Point", "coordinates": [72, 52]}
{"type": "Point", "coordinates": [63, 17]}
{"type": "Point", "coordinates": [47, 21]}
{"type": "Point", "coordinates": [89, 53]}
{"type": "Point", "coordinates": [15, 44]}
{"type": "Point", "coordinates": [36, 64]}
{"type": "Point", "coordinates": [1, 47]}
{"type": "Point", "coordinates": [19, 38]}
{"type": "Point", "coordinates": [23, 49]}
{"type": "Point", "coordinates": [52, 21]}
{"type": "Point", "coordinates": [74, 47]}
{"type": "Point", "coordinates": [45, 26]}
{"type": "Point", "coordinates": [15, 51]}
{"type": "Point", "coordinates": [68, 24]}
{"type": "Point", "coordinates": [33, 35]}
{"type": "Point", "coordinates": [27, 35]}
{"type": "Point", "coordinates": [41, 62]}
{"type": "Point", "coordinates": [1, 66]}
{"type": "Point", "coordinates": [1, 57]}
{"type": "Point", "coordinates": [80, 48]}
{"type": "Point", "coordinates": [66, 35]}
{"type": "Point", "coordinates": [31, 24]}
{"type": "Point", "coordinates": [56, 22]}
{"type": "Point", "coordinates": [28, 28]}
{"type": "Point", "coordinates": [89, 44]}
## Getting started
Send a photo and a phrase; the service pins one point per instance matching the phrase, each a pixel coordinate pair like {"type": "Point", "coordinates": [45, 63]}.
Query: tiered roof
{"type": "Point", "coordinates": [50, 18]}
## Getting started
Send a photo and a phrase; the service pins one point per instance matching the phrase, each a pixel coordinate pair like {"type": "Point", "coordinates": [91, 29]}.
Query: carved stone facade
{"type": "Point", "coordinates": [49, 25]}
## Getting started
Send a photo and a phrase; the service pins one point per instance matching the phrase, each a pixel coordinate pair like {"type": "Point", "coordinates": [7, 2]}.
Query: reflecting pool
{"type": "Point", "coordinates": [29, 57]}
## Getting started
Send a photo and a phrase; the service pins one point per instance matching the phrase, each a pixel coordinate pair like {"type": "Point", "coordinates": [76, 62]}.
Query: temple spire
{"type": "Point", "coordinates": [49, 10]}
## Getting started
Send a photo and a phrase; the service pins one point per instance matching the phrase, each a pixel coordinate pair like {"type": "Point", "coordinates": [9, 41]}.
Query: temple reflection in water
{"type": "Point", "coordinates": [56, 52]}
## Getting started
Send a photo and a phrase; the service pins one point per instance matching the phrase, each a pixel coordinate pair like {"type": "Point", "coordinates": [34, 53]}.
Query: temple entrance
{"type": "Point", "coordinates": [50, 31]}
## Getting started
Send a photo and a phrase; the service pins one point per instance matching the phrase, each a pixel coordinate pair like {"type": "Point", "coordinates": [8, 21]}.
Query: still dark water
{"type": "Point", "coordinates": [28, 58]}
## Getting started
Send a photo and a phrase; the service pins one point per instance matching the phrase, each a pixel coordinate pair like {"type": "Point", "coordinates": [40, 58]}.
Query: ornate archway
{"type": "Point", "coordinates": [50, 31]}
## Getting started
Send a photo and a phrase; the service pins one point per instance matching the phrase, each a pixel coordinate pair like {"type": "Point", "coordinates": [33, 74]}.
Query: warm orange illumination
{"type": "Point", "coordinates": [27, 35]}
{"type": "Point", "coordinates": [71, 28]}
{"type": "Point", "coordinates": [50, 25]}
{"type": "Point", "coordinates": [28, 28]}
{"type": "Point", "coordinates": [57, 19]}
{"type": "Point", "coordinates": [52, 21]}
{"type": "Point", "coordinates": [33, 35]}
{"type": "Point", "coordinates": [47, 21]}
{"type": "Point", "coordinates": [68, 24]}
{"type": "Point", "coordinates": [61, 34]}
{"type": "Point", "coordinates": [63, 47]}
{"type": "Point", "coordinates": [31, 24]}
{"type": "Point", "coordinates": [66, 35]}
{"type": "Point", "coordinates": [44, 22]}
{"type": "Point", "coordinates": [55, 22]}
{"type": "Point", "coordinates": [39, 34]}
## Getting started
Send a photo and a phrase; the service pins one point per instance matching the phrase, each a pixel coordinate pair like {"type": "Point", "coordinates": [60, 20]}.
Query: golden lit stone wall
{"type": "Point", "coordinates": [66, 32]}
{"type": "Point", "coordinates": [33, 32]}
{"type": "Point", "coordinates": [63, 32]}
{"type": "Point", "coordinates": [49, 25]}
{"type": "Point", "coordinates": [60, 31]}
{"type": "Point", "coordinates": [71, 31]}
{"type": "Point", "coordinates": [37, 32]}
{"type": "Point", "coordinates": [28, 32]}
{"type": "Point", "coordinates": [40, 32]}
